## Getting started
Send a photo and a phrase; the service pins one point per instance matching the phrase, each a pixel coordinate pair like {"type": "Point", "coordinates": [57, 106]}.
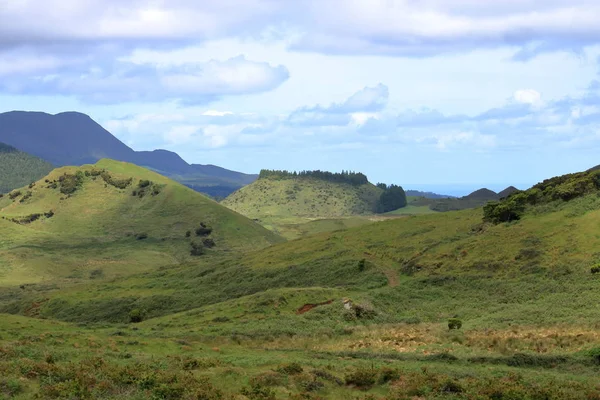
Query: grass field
{"type": "Point", "coordinates": [350, 310]}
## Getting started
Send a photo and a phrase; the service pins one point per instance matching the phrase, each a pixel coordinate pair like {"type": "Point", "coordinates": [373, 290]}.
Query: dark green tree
{"type": "Point", "coordinates": [391, 199]}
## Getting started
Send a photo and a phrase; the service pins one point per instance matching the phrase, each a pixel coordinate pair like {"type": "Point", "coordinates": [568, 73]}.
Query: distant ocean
{"type": "Point", "coordinates": [462, 189]}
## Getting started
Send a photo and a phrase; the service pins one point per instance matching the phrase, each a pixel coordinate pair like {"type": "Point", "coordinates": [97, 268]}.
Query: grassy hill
{"type": "Point", "coordinates": [110, 216]}
{"type": "Point", "coordinates": [291, 206]}
{"type": "Point", "coordinates": [359, 313]}
{"type": "Point", "coordinates": [19, 169]}
{"type": "Point", "coordinates": [303, 197]}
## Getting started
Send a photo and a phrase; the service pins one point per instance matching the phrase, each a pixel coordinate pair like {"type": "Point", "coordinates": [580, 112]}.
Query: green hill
{"type": "Point", "coordinates": [303, 197]}
{"type": "Point", "coordinates": [289, 205]}
{"type": "Point", "coordinates": [113, 216]}
{"type": "Point", "coordinates": [19, 169]}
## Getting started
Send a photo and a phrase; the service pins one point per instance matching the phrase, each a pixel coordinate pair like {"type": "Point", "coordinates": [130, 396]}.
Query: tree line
{"type": "Point", "coordinates": [353, 178]}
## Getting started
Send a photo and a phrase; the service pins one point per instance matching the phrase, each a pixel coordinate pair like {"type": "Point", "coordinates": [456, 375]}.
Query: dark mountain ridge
{"type": "Point", "coordinates": [73, 138]}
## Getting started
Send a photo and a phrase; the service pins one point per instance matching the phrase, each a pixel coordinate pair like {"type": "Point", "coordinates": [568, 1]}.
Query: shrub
{"type": "Point", "coordinates": [362, 265]}
{"type": "Point", "coordinates": [118, 183]}
{"type": "Point", "coordinates": [14, 194]}
{"type": "Point", "coordinates": [188, 234]}
{"type": "Point", "coordinates": [26, 197]}
{"type": "Point", "coordinates": [49, 214]}
{"type": "Point", "coordinates": [208, 243]}
{"type": "Point", "coordinates": [387, 374]}
{"type": "Point", "coordinates": [144, 183]}
{"type": "Point", "coordinates": [361, 377]}
{"type": "Point", "coordinates": [197, 249]}
{"type": "Point", "coordinates": [454, 323]}
{"type": "Point", "coordinates": [290, 369]}
{"type": "Point", "coordinates": [136, 315]}
{"type": "Point", "coordinates": [141, 236]}
{"type": "Point", "coordinates": [595, 269]}
{"type": "Point", "coordinates": [69, 183]}
{"type": "Point", "coordinates": [257, 391]}
{"type": "Point", "coordinates": [97, 273]}
{"type": "Point", "coordinates": [203, 230]}
{"type": "Point", "coordinates": [364, 311]}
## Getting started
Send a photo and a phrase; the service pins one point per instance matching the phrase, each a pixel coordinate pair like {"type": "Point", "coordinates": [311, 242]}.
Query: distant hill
{"type": "Point", "coordinates": [124, 209]}
{"type": "Point", "coordinates": [427, 195]}
{"type": "Point", "coordinates": [473, 200]}
{"type": "Point", "coordinates": [507, 192]}
{"type": "Point", "coordinates": [290, 196]}
{"type": "Point", "coordinates": [19, 169]}
{"type": "Point", "coordinates": [72, 138]}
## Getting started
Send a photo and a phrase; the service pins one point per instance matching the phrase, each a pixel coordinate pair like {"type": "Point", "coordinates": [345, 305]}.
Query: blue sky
{"type": "Point", "coordinates": [431, 94]}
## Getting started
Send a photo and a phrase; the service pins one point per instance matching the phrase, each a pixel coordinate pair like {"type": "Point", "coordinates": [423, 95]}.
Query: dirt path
{"type": "Point", "coordinates": [307, 307]}
{"type": "Point", "coordinates": [392, 277]}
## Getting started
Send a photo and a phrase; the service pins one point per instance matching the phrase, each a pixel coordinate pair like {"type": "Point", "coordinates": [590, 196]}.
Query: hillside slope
{"type": "Point", "coordinates": [303, 197]}
{"type": "Point", "coordinates": [114, 214]}
{"type": "Point", "coordinates": [73, 138]}
{"type": "Point", "coordinates": [19, 169]}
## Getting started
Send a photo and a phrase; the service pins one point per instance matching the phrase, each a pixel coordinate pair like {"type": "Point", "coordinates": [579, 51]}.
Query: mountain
{"type": "Point", "coordinates": [18, 169]}
{"type": "Point", "coordinates": [111, 204]}
{"type": "Point", "coordinates": [482, 194]}
{"type": "Point", "coordinates": [303, 196]}
{"type": "Point", "coordinates": [72, 138]}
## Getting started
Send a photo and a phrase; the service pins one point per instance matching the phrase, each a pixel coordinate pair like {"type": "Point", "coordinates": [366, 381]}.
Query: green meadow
{"type": "Point", "coordinates": [113, 294]}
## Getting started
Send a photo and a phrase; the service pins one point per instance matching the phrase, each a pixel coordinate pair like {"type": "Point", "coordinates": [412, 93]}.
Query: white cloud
{"type": "Point", "coordinates": [215, 113]}
{"type": "Point", "coordinates": [387, 27]}
{"type": "Point", "coordinates": [527, 96]}
{"type": "Point", "coordinates": [475, 140]}
{"type": "Point", "coordinates": [125, 81]}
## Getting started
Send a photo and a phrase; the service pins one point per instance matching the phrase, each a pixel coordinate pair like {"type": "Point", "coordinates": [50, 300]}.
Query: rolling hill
{"type": "Point", "coordinates": [72, 138]}
{"type": "Point", "coordinates": [116, 214]}
{"type": "Point", "coordinates": [19, 169]}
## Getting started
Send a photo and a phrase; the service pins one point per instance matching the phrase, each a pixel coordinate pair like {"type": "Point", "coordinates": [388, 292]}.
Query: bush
{"type": "Point", "coordinates": [362, 265]}
{"type": "Point", "coordinates": [203, 230]}
{"type": "Point", "coordinates": [136, 315]}
{"type": "Point", "coordinates": [14, 194]}
{"type": "Point", "coordinates": [387, 374]}
{"type": "Point", "coordinates": [144, 183]}
{"type": "Point", "coordinates": [141, 236]}
{"type": "Point", "coordinates": [363, 378]}
{"type": "Point", "coordinates": [290, 369]}
{"type": "Point", "coordinates": [69, 183]}
{"type": "Point", "coordinates": [595, 269]}
{"type": "Point", "coordinates": [26, 197]}
{"type": "Point", "coordinates": [118, 183]}
{"type": "Point", "coordinates": [208, 243]}
{"type": "Point", "coordinates": [188, 234]}
{"type": "Point", "coordinates": [197, 249]}
{"type": "Point", "coordinates": [454, 323]}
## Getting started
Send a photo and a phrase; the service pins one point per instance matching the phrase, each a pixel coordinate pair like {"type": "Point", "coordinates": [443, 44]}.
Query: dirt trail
{"type": "Point", "coordinates": [307, 307]}
{"type": "Point", "coordinates": [392, 277]}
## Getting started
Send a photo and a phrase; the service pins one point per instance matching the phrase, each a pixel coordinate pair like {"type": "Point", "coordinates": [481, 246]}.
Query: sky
{"type": "Point", "coordinates": [445, 95]}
